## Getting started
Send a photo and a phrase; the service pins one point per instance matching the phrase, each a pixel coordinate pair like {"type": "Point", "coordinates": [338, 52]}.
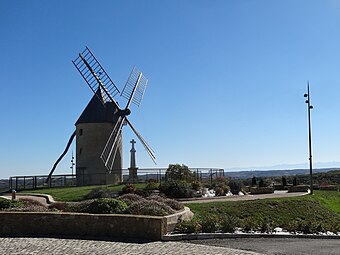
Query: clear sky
{"type": "Point", "coordinates": [226, 79]}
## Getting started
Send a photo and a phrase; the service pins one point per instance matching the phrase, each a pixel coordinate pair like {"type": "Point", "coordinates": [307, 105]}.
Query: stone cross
{"type": "Point", "coordinates": [133, 154]}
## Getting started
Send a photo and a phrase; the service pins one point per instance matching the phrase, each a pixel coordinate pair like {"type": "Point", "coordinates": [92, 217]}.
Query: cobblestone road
{"type": "Point", "coordinates": [42, 246]}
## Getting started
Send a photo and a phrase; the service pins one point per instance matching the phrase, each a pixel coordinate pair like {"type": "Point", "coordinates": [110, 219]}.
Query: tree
{"type": "Point", "coordinates": [284, 181]}
{"type": "Point", "coordinates": [253, 181]}
{"type": "Point", "coordinates": [261, 183]}
{"type": "Point", "coordinates": [294, 181]}
{"type": "Point", "coordinates": [179, 172]}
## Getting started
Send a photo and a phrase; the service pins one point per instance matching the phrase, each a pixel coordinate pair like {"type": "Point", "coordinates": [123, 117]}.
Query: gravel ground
{"type": "Point", "coordinates": [278, 246]}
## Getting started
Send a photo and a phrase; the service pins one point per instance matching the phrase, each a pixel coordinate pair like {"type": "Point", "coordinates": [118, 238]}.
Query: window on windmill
{"type": "Point", "coordinates": [81, 131]}
{"type": "Point", "coordinates": [80, 150]}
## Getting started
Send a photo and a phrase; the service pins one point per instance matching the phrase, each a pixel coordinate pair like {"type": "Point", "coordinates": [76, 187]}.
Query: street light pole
{"type": "Point", "coordinates": [309, 107]}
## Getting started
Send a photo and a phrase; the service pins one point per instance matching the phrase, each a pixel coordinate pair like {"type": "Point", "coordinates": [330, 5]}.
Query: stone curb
{"type": "Point", "coordinates": [202, 236]}
{"type": "Point", "coordinates": [49, 198]}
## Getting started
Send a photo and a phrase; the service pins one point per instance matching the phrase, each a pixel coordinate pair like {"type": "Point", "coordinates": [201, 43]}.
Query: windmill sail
{"type": "Point", "coordinates": [146, 146]}
{"type": "Point", "coordinates": [94, 74]}
{"type": "Point", "coordinates": [109, 152]}
{"type": "Point", "coordinates": [134, 88]}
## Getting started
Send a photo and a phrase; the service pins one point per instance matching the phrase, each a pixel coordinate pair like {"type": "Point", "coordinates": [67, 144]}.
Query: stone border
{"type": "Point", "coordinates": [88, 225]}
{"type": "Point", "coordinates": [49, 198]}
{"type": "Point", "coordinates": [202, 236]}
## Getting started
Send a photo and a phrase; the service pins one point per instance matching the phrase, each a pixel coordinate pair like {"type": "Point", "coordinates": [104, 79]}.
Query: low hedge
{"type": "Point", "coordinates": [299, 188]}
{"type": "Point", "coordinates": [328, 187]}
{"type": "Point", "coordinates": [261, 190]}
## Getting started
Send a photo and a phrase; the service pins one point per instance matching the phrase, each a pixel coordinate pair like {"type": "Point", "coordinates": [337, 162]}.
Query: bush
{"type": "Point", "coordinates": [229, 223]}
{"type": "Point", "coordinates": [6, 204]}
{"type": "Point", "coordinates": [219, 191]}
{"type": "Point", "coordinates": [196, 185]}
{"type": "Point", "coordinates": [128, 189]}
{"type": "Point", "coordinates": [177, 172]}
{"type": "Point", "coordinates": [174, 204]}
{"type": "Point", "coordinates": [152, 186]}
{"type": "Point", "coordinates": [156, 198]}
{"type": "Point", "coordinates": [266, 226]}
{"type": "Point", "coordinates": [150, 207]}
{"type": "Point", "coordinates": [248, 224]}
{"type": "Point", "coordinates": [170, 202]}
{"type": "Point", "coordinates": [328, 187]}
{"type": "Point", "coordinates": [262, 190]}
{"type": "Point", "coordinates": [299, 188]}
{"type": "Point", "coordinates": [209, 224]}
{"type": "Point", "coordinates": [235, 187]}
{"type": "Point", "coordinates": [187, 227]}
{"type": "Point", "coordinates": [130, 198]}
{"type": "Point", "coordinates": [105, 206]}
{"type": "Point", "coordinates": [100, 193]}
{"type": "Point", "coordinates": [176, 189]}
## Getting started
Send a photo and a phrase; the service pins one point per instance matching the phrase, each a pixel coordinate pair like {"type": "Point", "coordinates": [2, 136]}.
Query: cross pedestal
{"type": "Point", "coordinates": [133, 169]}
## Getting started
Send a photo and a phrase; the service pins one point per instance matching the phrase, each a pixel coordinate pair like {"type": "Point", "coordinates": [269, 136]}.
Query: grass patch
{"type": "Point", "coordinates": [75, 194]}
{"type": "Point", "coordinates": [322, 208]}
{"type": "Point", "coordinates": [330, 199]}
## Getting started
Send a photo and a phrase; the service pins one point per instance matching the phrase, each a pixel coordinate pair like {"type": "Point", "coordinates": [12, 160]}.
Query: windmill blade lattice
{"type": "Point", "coordinates": [95, 75]}
{"type": "Point", "coordinates": [134, 88]}
{"type": "Point", "coordinates": [113, 143]}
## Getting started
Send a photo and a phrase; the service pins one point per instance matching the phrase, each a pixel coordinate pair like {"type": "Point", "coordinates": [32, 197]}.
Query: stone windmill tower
{"type": "Point", "coordinates": [99, 127]}
{"type": "Point", "coordinates": [93, 129]}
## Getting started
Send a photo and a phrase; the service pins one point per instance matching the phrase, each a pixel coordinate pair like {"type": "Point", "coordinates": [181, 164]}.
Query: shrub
{"type": "Point", "coordinates": [174, 204]}
{"type": "Point", "coordinates": [328, 187]}
{"type": "Point", "coordinates": [292, 226]}
{"type": "Point", "coordinates": [177, 172]}
{"type": "Point", "coordinates": [229, 223]}
{"type": "Point", "coordinates": [105, 206]}
{"type": "Point", "coordinates": [235, 187]}
{"type": "Point", "coordinates": [156, 198]}
{"type": "Point", "coordinates": [99, 193]}
{"type": "Point", "coordinates": [262, 190]}
{"type": "Point", "coordinates": [129, 188]}
{"type": "Point", "coordinates": [152, 186]}
{"type": "Point", "coordinates": [60, 206]}
{"type": "Point", "coordinates": [299, 188]}
{"type": "Point", "coordinates": [219, 191]}
{"type": "Point", "coordinates": [6, 204]}
{"type": "Point", "coordinates": [188, 227]}
{"type": "Point", "coordinates": [130, 198]}
{"type": "Point", "coordinates": [150, 207]}
{"type": "Point", "coordinates": [196, 185]}
{"type": "Point", "coordinates": [248, 224]}
{"type": "Point", "coordinates": [266, 226]}
{"type": "Point", "coordinates": [177, 189]}
{"type": "Point", "coordinates": [209, 224]}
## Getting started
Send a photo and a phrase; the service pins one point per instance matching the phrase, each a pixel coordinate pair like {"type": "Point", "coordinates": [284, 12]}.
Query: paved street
{"type": "Point", "coordinates": [279, 246]}
{"type": "Point", "coordinates": [42, 246]}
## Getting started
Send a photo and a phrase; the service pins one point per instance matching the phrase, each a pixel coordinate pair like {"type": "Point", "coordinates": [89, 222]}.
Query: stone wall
{"type": "Point", "coordinates": [91, 139]}
{"type": "Point", "coordinates": [76, 224]}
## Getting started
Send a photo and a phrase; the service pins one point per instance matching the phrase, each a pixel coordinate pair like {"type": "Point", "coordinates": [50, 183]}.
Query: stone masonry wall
{"type": "Point", "coordinates": [74, 224]}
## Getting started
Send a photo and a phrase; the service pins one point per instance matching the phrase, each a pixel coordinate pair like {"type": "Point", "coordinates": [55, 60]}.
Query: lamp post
{"type": "Point", "coordinates": [309, 107]}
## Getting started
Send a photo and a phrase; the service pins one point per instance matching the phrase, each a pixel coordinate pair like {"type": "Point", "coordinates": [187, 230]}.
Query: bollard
{"type": "Point", "coordinates": [14, 194]}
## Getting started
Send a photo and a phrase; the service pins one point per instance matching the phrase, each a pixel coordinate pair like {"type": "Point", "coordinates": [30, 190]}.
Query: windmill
{"type": "Point", "coordinates": [99, 128]}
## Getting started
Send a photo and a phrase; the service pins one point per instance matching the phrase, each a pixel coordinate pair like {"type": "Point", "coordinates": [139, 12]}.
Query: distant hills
{"type": "Point", "coordinates": [267, 173]}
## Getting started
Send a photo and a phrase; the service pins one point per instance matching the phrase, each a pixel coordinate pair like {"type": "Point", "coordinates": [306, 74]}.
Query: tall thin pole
{"type": "Point", "coordinates": [309, 107]}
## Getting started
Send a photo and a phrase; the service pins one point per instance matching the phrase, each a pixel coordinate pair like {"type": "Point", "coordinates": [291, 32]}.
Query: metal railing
{"type": "Point", "coordinates": [144, 175]}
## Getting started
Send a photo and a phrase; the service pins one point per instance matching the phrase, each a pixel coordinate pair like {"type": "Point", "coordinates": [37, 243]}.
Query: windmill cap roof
{"type": "Point", "coordinates": [97, 110]}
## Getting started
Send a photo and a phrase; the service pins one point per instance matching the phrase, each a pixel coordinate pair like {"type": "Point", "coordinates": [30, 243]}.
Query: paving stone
{"type": "Point", "coordinates": [44, 246]}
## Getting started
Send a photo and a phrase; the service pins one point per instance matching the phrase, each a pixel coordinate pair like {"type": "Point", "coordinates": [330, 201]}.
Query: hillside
{"type": "Point", "coordinates": [273, 173]}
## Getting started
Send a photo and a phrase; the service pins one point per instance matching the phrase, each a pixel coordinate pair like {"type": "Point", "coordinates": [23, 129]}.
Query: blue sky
{"type": "Point", "coordinates": [226, 79]}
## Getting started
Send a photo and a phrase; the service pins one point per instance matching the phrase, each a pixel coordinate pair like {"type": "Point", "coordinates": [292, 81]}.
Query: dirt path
{"type": "Point", "coordinates": [243, 198]}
